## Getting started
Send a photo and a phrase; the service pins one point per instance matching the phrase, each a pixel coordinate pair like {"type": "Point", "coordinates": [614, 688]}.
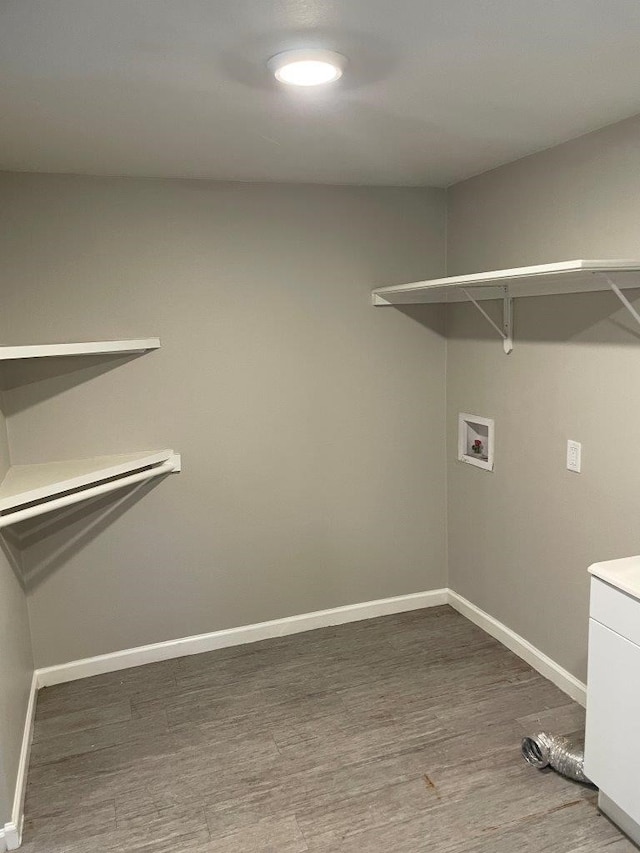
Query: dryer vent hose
{"type": "Point", "coordinates": [543, 750]}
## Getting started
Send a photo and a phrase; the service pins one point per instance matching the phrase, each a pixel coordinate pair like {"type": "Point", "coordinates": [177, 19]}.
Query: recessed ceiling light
{"type": "Point", "coordinates": [307, 67]}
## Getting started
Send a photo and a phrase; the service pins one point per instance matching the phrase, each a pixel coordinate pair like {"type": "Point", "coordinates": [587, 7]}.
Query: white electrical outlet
{"type": "Point", "coordinates": [574, 456]}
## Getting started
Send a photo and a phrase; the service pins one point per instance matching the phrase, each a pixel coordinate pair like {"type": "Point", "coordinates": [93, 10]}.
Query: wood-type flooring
{"type": "Point", "coordinates": [393, 735]}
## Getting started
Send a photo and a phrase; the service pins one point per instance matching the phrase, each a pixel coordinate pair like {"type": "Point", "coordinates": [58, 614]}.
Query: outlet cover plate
{"type": "Point", "coordinates": [574, 456]}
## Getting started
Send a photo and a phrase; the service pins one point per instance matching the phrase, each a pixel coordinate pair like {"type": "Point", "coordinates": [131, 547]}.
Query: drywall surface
{"type": "Point", "coordinates": [521, 538]}
{"type": "Point", "coordinates": [311, 425]}
{"type": "Point", "coordinates": [16, 661]}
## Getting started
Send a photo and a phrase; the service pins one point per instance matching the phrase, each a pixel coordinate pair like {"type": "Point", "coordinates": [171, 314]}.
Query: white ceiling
{"type": "Point", "coordinates": [436, 90]}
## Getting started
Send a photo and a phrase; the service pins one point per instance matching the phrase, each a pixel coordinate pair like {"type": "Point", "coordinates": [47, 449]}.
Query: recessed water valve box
{"type": "Point", "coordinates": [476, 440]}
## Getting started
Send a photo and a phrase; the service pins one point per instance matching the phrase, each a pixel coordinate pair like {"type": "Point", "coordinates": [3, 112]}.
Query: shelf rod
{"type": "Point", "coordinates": [623, 299]}
{"type": "Point", "coordinates": [170, 466]}
{"type": "Point", "coordinates": [507, 317]}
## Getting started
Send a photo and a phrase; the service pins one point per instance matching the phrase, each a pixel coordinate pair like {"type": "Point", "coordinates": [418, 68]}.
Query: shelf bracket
{"type": "Point", "coordinates": [622, 298]}
{"type": "Point", "coordinates": [506, 332]}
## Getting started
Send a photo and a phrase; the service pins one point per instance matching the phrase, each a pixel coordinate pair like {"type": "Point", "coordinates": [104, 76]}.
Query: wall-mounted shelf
{"type": "Point", "coordinates": [542, 280]}
{"type": "Point", "coordinates": [30, 490]}
{"type": "Point", "coordinates": [86, 348]}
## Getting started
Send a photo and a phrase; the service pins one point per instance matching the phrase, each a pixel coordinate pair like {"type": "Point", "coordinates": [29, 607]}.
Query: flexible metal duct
{"type": "Point", "coordinates": [544, 750]}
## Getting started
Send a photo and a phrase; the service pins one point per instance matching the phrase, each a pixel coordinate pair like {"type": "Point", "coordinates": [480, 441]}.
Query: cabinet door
{"type": "Point", "coordinates": [612, 744]}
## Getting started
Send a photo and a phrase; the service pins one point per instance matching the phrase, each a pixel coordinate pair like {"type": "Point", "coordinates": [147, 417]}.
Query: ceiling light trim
{"type": "Point", "coordinates": [307, 67]}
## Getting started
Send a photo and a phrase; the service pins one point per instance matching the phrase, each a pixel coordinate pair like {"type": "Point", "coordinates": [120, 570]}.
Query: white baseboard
{"type": "Point", "coordinates": [11, 833]}
{"type": "Point", "coordinates": [11, 836]}
{"type": "Point", "coordinates": [559, 676]}
{"type": "Point", "coordinates": [183, 646]}
{"type": "Point", "coordinates": [237, 636]}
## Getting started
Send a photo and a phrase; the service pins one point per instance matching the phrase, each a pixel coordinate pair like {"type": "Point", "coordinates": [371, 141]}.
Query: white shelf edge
{"type": "Point", "coordinates": [86, 348]}
{"type": "Point", "coordinates": [26, 484]}
{"type": "Point", "coordinates": [563, 277]}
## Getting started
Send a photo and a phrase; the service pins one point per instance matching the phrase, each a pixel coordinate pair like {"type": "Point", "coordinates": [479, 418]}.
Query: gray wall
{"type": "Point", "coordinates": [16, 660]}
{"type": "Point", "coordinates": [311, 425]}
{"type": "Point", "coordinates": [520, 539]}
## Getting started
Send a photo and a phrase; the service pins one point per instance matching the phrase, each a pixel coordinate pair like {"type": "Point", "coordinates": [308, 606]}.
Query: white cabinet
{"type": "Point", "coordinates": [612, 743]}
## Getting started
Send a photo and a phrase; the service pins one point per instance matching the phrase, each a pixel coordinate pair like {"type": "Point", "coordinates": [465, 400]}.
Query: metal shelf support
{"type": "Point", "coordinates": [506, 332]}
{"type": "Point", "coordinates": [623, 299]}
